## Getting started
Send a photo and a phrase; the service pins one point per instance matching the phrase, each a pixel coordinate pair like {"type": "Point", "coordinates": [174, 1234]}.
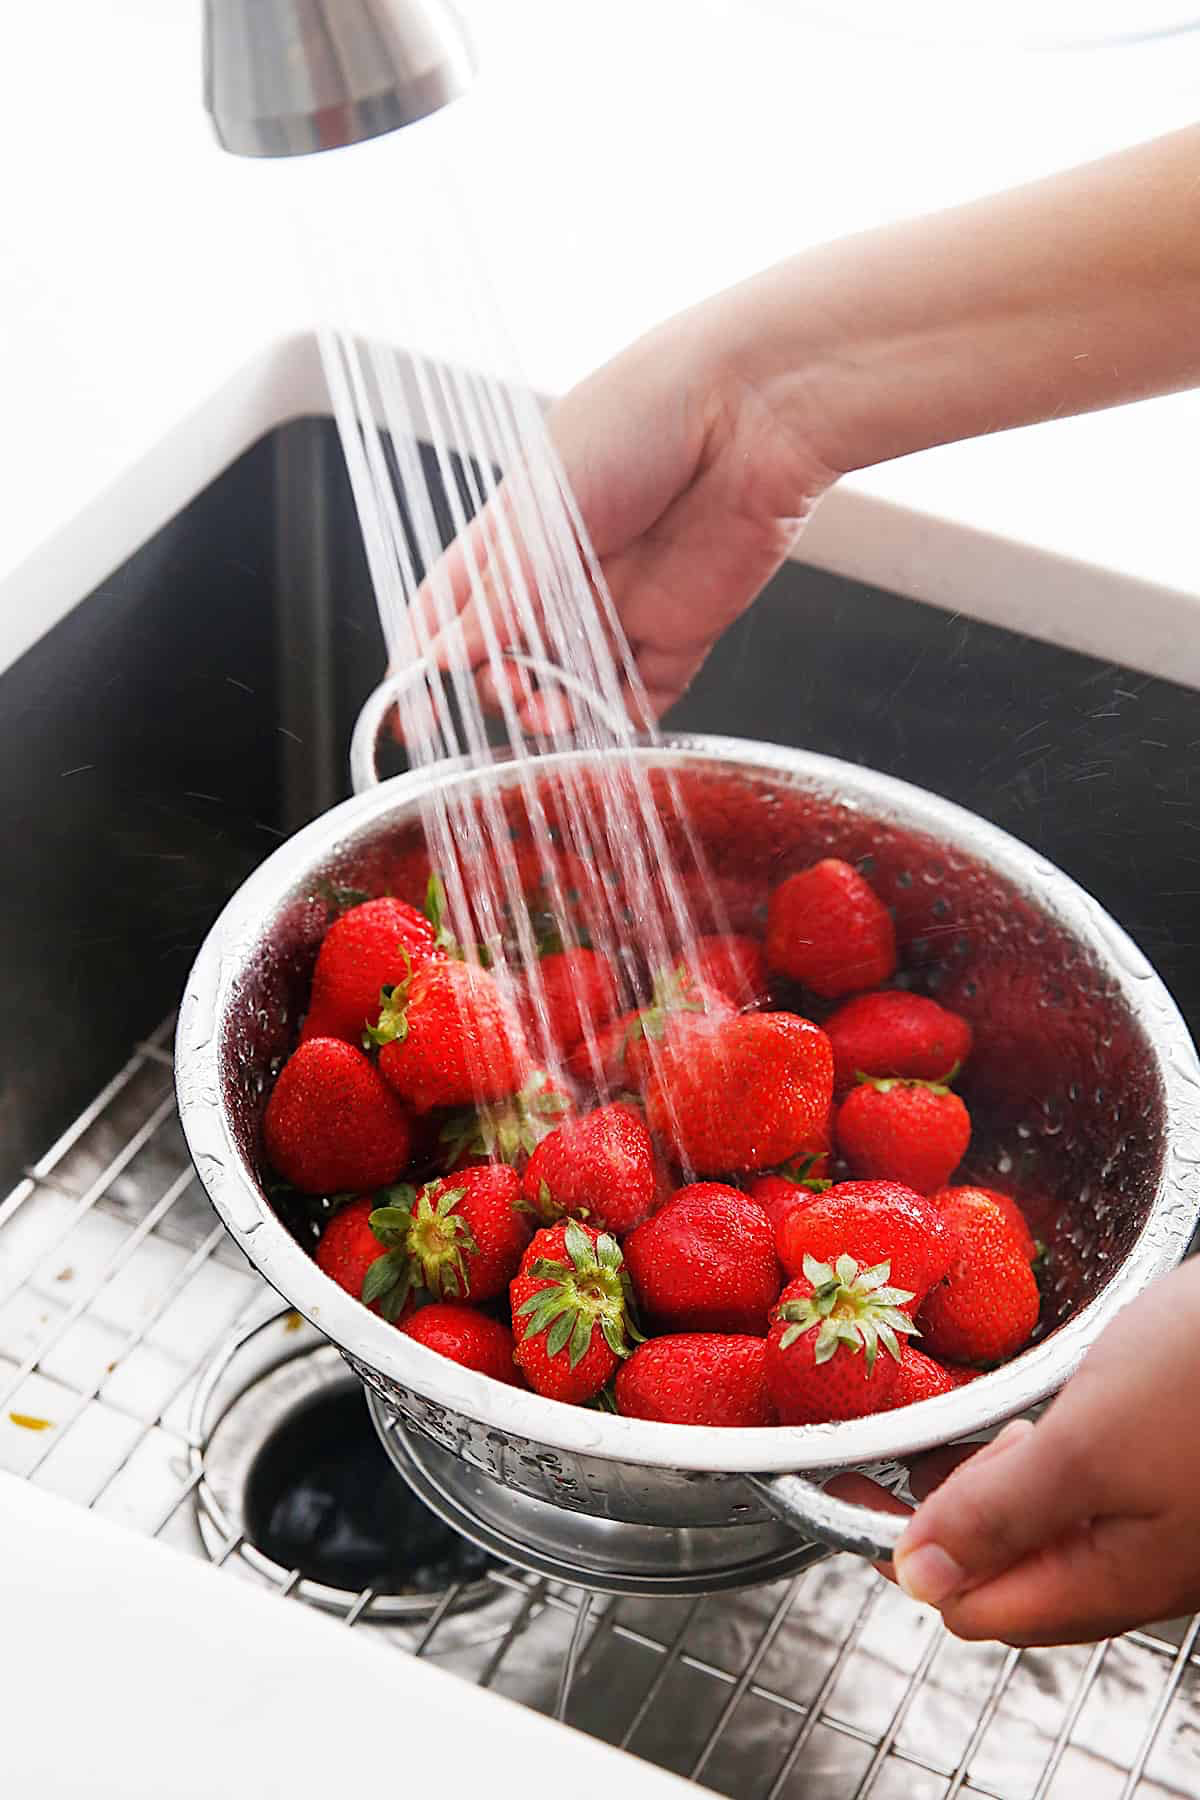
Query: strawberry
{"type": "Point", "coordinates": [784, 1189]}
{"type": "Point", "coordinates": [951, 1201]}
{"type": "Point", "coordinates": [915, 1132]}
{"type": "Point", "coordinates": [823, 1357]}
{"type": "Point", "coordinates": [571, 1312]}
{"type": "Point", "coordinates": [601, 1168]}
{"type": "Point", "coordinates": [827, 928]}
{"type": "Point", "coordinates": [697, 1378]}
{"type": "Point", "coordinates": [448, 1038]}
{"type": "Point", "coordinates": [580, 994]}
{"type": "Point", "coordinates": [733, 964]}
{"type": "Point", "coordinates": [920, 1378]}
{"type": "Point", "coordinates": [507, 1131]}
{"type": "Point", "coordinates": [705, 1262]}
{"type": "Point", "coordinates": [331, 1125]}
{"type": "Point", "coordinates": [461, 1238]}
{"type": "Point", "coordinates": [896, 1034]}
{"type": "Point", "coordinates": [742, 1091]}
{"type": "Point", "coordinates": [627, 1047]}
{"type": "Point", "coordinates": [987, 1307]}
{"type": "Point", "coordinates": [370, 947]}
{"type": "Point", "coordinates": [348, 1247]}
{"type": "Point", "coordinates": [467, 1337]}
{"type": "Point", "coordinates": [874, 1222]}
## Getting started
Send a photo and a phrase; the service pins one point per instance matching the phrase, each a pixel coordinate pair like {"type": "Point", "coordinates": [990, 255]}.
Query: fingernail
{"type": "Point", "coordinates": [928, 1573]}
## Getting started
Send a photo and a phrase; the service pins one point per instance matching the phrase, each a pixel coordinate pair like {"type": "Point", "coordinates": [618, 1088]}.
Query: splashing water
{"type": "Point", "coordinates": [521, 606]}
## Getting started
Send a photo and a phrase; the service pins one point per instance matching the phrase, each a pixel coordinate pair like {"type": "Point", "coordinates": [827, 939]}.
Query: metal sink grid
{"type": "Point", "coordinates": [116, 1287]}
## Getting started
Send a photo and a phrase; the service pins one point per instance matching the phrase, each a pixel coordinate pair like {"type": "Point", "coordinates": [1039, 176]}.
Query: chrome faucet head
{"type": "Point", "coordinates": [288, 77]}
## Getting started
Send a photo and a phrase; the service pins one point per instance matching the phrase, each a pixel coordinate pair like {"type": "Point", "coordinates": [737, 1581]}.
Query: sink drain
{"type": "Point", "coordinates": [291, 1476]}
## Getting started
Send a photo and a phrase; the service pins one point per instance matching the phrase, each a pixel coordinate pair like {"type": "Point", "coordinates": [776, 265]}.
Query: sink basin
{"type": "Point", "coordinates": [156, 743]}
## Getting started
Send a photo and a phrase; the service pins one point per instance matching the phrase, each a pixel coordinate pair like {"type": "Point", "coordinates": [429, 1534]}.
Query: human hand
{"type": "Point", "coordinates": [1085, 1524]}
{"type": "Point", "coordinates": [692, 487]}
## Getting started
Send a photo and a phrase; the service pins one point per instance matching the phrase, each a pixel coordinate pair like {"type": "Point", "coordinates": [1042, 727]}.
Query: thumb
{"type": "Point", "coordinates": [996, 1508]}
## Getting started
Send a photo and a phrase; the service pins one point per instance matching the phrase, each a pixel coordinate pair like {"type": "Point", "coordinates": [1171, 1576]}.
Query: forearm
{"type": "Point", "coordinates": [1077, 292]}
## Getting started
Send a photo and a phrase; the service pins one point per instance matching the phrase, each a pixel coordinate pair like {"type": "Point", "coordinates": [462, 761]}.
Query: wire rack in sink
{"type": "Point", "coordinates": [116, 1288]}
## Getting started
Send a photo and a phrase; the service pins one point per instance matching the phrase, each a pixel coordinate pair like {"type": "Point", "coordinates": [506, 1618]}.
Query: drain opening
{"type": "Point", "coordinates": [291, 1475]}
{"type": "Point", "coordinates": [322, 1496]}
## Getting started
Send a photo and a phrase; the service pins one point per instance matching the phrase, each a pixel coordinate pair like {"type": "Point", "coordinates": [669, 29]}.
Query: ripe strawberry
{"type": "Point", "coordinates": [734, 965]}
{"type": "Point", "coordinates": [827, 928]}
{"type": "Point", "coordinates": [467, 1337]}
{"type": "Point", "coordinates": [920, 1378]}
{"type": "Point", "coordinates": [571, 1312]}
{"type": "Point", "coordinates": [370, 947]}
{"type": "Point", "coordinates": [627, 1047]}
{"type": "Point", "coordinates": [506, 1131]}
{"type": "Point", "coordinates": [915, 1132]}
{"type": "Point", "coordinates": [697, 1378]}
{"type": "Point", "coordinates": [601, 1168]}
{"type": "Point", "coordinates": [448, 1038]}
{"type": "Point", "coordinates": [705, 1262]}
{"type": "Point", "coordinates": [951, 1201]}
{"type": "Point", "coordinates": [822, 1348]}
{"type": "Point", "coordinates": [987, 1307]}
{"type": "Point", "coordinates": [781, 1191]}
{"type": "Point", "coordinates": [874, 1222]}
{"type": "Point", "coordinates": [331, 1125]}
{"type": "Point", "coordinates": [580, 993]}
{"type": "Point", "coordinates": [348, 1247]}
{"type": "Point", "coordinates": [461, 1238]}
{"type": "Point", "coordinates": [743, 1091]}
{"type": "Point", "coordinates": [896, 1034]}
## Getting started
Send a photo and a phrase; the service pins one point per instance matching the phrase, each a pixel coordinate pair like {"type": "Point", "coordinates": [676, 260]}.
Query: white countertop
{"type": "Point", "coordinates": [134, 1673]}
{"type": "Point", "coordinates": [624, 158]}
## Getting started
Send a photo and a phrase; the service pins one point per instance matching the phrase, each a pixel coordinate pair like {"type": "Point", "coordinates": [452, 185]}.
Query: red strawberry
{"type": "Point", "coordinates": [571, 1312]}
{"type": "Point", "coordinates": [743, 1091]}
{"type": "Point", "coordinates": [601, 1168]}
{"type": "Point", "coordinates": [372, 946]}
{"type": "Point", "coordinates": [823, 1358]}
{"type": "Point", "coordinates": [896, 1034]}
{"type": "Point", "coordinates": [331, 1125]}
{"type": "Point", "coordinates": [920, 1378]}
{"type": "Point", "coordinates": [462, 1237]}
{"type": "Point", "coordinates": [348, 1247]}
{"type": "Point", "coordinates": [987, 1307]}
{"type": "Point", "coordinates": [827, 928]}
{"type": "Point", "coordinates": [874, 1222]}
{"type": "Point", "coordinates": [705, 1262]}
{"type": "Point", "coordinates": [732, 964]}
{"type": "Point", "coordinates": [580, 993]}
{"type": "Point", "coordinates": [951, 1200]}
{"type": "Point", "coordinates": [915, 1132]}
{"type": "Point", "coordinates": [506, 1131]}
{"type": "Point", "coordinates": [697, 1378]}
{"type": "Point", "coordinates": [467, 1337]}
{"type": "Point", "coordinates": [626, 1048]}
{"type": "Point", "coordinates": [449, 1039]}
{"type": "Point", "coordinates": [780, 1192]}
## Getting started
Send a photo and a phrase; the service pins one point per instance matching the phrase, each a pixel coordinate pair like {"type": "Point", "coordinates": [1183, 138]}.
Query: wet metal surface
{"type": "Point", "coordinates": [115, 1286]}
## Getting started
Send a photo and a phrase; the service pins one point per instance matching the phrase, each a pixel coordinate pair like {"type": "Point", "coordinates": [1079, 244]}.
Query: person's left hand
{"type": "Point", "coordinates": [1086, 1524]}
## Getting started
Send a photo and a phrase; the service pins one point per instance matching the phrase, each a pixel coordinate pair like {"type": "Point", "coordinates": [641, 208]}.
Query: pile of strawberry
{"type": "Point", "coordinates": [541, 1231]}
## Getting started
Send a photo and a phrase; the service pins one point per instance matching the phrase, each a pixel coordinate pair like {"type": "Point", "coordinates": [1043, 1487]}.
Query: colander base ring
{"type": "Point", "coordinates": [602, 1555]}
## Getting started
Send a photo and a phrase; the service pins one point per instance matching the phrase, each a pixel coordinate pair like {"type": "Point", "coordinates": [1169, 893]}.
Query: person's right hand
{"type": "Point", "coordinates": [692, 489]}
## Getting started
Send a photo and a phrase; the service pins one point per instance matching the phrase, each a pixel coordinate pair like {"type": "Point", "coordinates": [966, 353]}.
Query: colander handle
{"type": "Point", "coordinates": [364, 742]}
{"type": "Point", "coordinates": [839, 1523]}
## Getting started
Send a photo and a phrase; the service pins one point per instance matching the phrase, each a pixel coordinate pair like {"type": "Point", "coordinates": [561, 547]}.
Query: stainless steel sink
{"type": "Point", "coordinates": [158, 742]}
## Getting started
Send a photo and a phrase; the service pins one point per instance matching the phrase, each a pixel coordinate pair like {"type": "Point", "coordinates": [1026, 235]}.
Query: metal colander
{"type": "Point", "coordinates": [1084, 1088]}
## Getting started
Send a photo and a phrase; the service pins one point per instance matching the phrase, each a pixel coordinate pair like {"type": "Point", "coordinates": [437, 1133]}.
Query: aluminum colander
{"type": "Point", "coordinates": [1084, 1085]}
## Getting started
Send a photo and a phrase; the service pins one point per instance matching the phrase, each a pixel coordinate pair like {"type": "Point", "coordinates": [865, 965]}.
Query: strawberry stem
{"type": "Point", "coordinates": [590, 1291]}
{"type": "Point", "coordinates": [850, 1305]}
